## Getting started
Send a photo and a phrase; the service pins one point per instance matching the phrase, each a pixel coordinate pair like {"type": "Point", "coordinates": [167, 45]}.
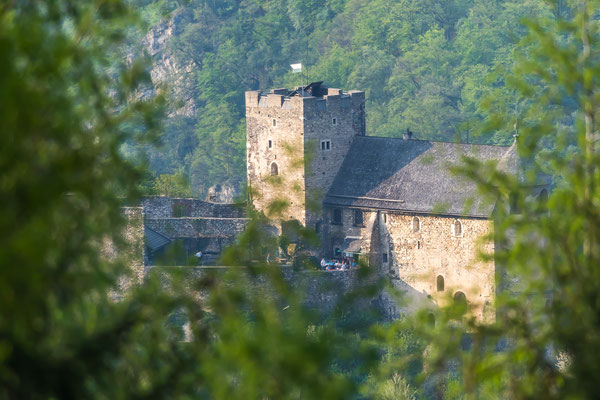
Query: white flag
{"type": "Point", "coordinates": [296, 68]}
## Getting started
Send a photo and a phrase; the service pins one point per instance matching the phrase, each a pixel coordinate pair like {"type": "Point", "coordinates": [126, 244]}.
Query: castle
{"type": "Point", "coordinates": [391, 201]}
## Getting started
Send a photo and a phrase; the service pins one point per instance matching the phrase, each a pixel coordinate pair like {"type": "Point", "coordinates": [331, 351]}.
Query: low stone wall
{"type": "Point", "coordinates": [167, 207]}
{"type": "Point", "coordinates": [354, 293]}
{"type": "Point", "coordinates": [197, 227]}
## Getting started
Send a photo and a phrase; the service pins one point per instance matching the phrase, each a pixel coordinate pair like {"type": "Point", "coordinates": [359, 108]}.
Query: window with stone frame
{"type": "Point", "coordinates": [274, 169]}
{"type": "Point", "coordinates": [358, 218]}
{"type": "Point", "coordinates": [336, 216]}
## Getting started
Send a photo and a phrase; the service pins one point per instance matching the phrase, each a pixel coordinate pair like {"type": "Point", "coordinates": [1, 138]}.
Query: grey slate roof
{"type": "Point", "coordinates": [412, 176]}
{"type": "Point", "coordinates": [155, 240]}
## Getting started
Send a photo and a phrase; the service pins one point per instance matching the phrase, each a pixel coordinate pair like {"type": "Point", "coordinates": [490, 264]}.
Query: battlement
{"type": "Point", "coordinates": [313, 97]}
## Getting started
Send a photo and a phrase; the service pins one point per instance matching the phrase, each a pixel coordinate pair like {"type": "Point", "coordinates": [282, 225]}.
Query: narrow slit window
{"type": "Point", "coordinates": [334, 121]}
{"type": "Point", "coordinates": [270, 144]}
{"type": "Point", "coordinates": [274, 122]}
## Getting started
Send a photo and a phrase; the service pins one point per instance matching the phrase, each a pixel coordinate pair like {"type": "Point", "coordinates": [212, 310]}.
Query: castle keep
{"type": "Point", "coordinates": [391, 201]}
{"type": "Point", "coordinates": [296, 143]}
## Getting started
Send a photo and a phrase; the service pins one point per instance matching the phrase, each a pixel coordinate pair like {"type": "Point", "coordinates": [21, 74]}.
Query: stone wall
{"type": "Point", "coordinates": [167, 207]}
{"type": "Point", "coordinates": [197, 227]}
{"type": "Point", "coordinates": [348, 110]}
{"type": "Point", "coordinates": [418, 258]}
{"type": "Point", "coordinates": [279, 121]}
{"type": "Point", "coordinates": [322, 291]}
{"type": "Point", "coordinates": [415, 259]}
{"type": "Point", "coordinates": [130, 252]}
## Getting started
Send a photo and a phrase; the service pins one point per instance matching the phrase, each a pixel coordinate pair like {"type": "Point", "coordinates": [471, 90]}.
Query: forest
{"type": "Point", "coordinates": [432, 66]}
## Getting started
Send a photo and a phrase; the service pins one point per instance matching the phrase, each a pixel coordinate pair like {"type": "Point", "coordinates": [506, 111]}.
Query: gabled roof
{"type": "Point", "coordinates": [412, 176]}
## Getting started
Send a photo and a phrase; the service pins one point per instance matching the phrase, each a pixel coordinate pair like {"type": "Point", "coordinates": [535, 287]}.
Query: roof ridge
{"type": "Point", "coordinates": [435, 141]}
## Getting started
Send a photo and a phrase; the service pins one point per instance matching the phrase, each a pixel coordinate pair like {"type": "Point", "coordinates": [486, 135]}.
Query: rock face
{"type": "Point", "coordinates": [225, 193]}
{"type": "Point", "coordinates": [166, 68]}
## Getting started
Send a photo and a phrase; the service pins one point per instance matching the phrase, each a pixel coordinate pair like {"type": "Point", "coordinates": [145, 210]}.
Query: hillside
{"type": "Point", "coordinates": [428, 66]}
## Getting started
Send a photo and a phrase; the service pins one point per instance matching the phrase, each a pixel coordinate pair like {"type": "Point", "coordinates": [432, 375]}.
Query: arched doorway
{"type": "Point", "coordinates": [274, 169]}
{"type": "Point", "coordinates": [460, 298]}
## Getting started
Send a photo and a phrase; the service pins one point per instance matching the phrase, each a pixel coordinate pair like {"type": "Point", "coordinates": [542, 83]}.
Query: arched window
{"type": "Point", "coordinates": [457, 228]}
{"type": "Point", "coordinates": [440, 283]}
{"type": "Point", "coordinates": [358, 218]}
{"type": "Point", "coordinates": [274, 169]}
{"type": "Point", "coordinates": [416, 224]}
{"type": "Point", "coordinates": [337, 216]}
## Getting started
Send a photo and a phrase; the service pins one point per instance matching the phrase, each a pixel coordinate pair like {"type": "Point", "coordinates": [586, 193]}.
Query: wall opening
{"type": "Point", "coordinates": [337, 216]}
{"type": "Point", "coordinates": [334, 121]}
{"type": "Point", "coordinates": [416, 224]}
{"type": "Point", "coordinates": [385, 257]}
{"type": "Point", "coordinates": [358, 218]}
{"type": "Point", "coordinates": [460, 298]}
{"type": "Point", "coordinates": [325, 145]}
{"type": "Point", "coordinates": [274, 122]}
{"type": "Point", "coordinates": [440, 283]}
{"type": "Point", "coordinates": [457, 228]}
{"type": "Point", "coordinates": [274, 169]}
{"type": "Point", "coordinates": [270, 144]}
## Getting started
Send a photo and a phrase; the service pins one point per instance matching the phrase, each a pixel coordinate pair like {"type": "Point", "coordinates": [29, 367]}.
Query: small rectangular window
{"type": "Point", "coordinates": [385, 257]}
{"type": "Point", "coordinates": [270, 144]}
{"type": "Point", "coordinates": [274, 122]}
{"type": "Point", "coordinates": [325, 145]}
{"type": "Point", "coordinates": [334, 121]}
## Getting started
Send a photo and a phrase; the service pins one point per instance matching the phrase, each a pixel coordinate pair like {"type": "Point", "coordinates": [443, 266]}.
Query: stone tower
{"type": "Point", "coordinates": [296, 142]}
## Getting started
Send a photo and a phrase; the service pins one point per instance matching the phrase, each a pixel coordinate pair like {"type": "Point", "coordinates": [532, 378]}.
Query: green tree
{"type": "Point", "coordinates": [175, 185]}
{"type": "Point", "coordinates": [543, 342]}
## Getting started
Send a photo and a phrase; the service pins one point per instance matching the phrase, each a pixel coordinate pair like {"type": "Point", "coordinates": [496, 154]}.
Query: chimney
{"type": "Point", "coordinates": [407, 135]}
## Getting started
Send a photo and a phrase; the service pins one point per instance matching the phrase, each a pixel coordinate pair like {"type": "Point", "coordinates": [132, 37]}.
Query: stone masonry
{"type": "Point", "coordinates": [296, 145]}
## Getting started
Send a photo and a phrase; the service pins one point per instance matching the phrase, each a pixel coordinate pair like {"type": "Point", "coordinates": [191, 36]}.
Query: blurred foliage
{"type": "Point", "coordinates": [544, 342]}
{"type": "Point", "coordinates": [174, 185]}
{"type": "Point", "coordinates": [70, 98]}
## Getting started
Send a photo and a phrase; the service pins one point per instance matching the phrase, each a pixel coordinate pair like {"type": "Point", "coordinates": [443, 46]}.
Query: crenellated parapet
{"type": "Point", "coordinates": [333, 100]}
